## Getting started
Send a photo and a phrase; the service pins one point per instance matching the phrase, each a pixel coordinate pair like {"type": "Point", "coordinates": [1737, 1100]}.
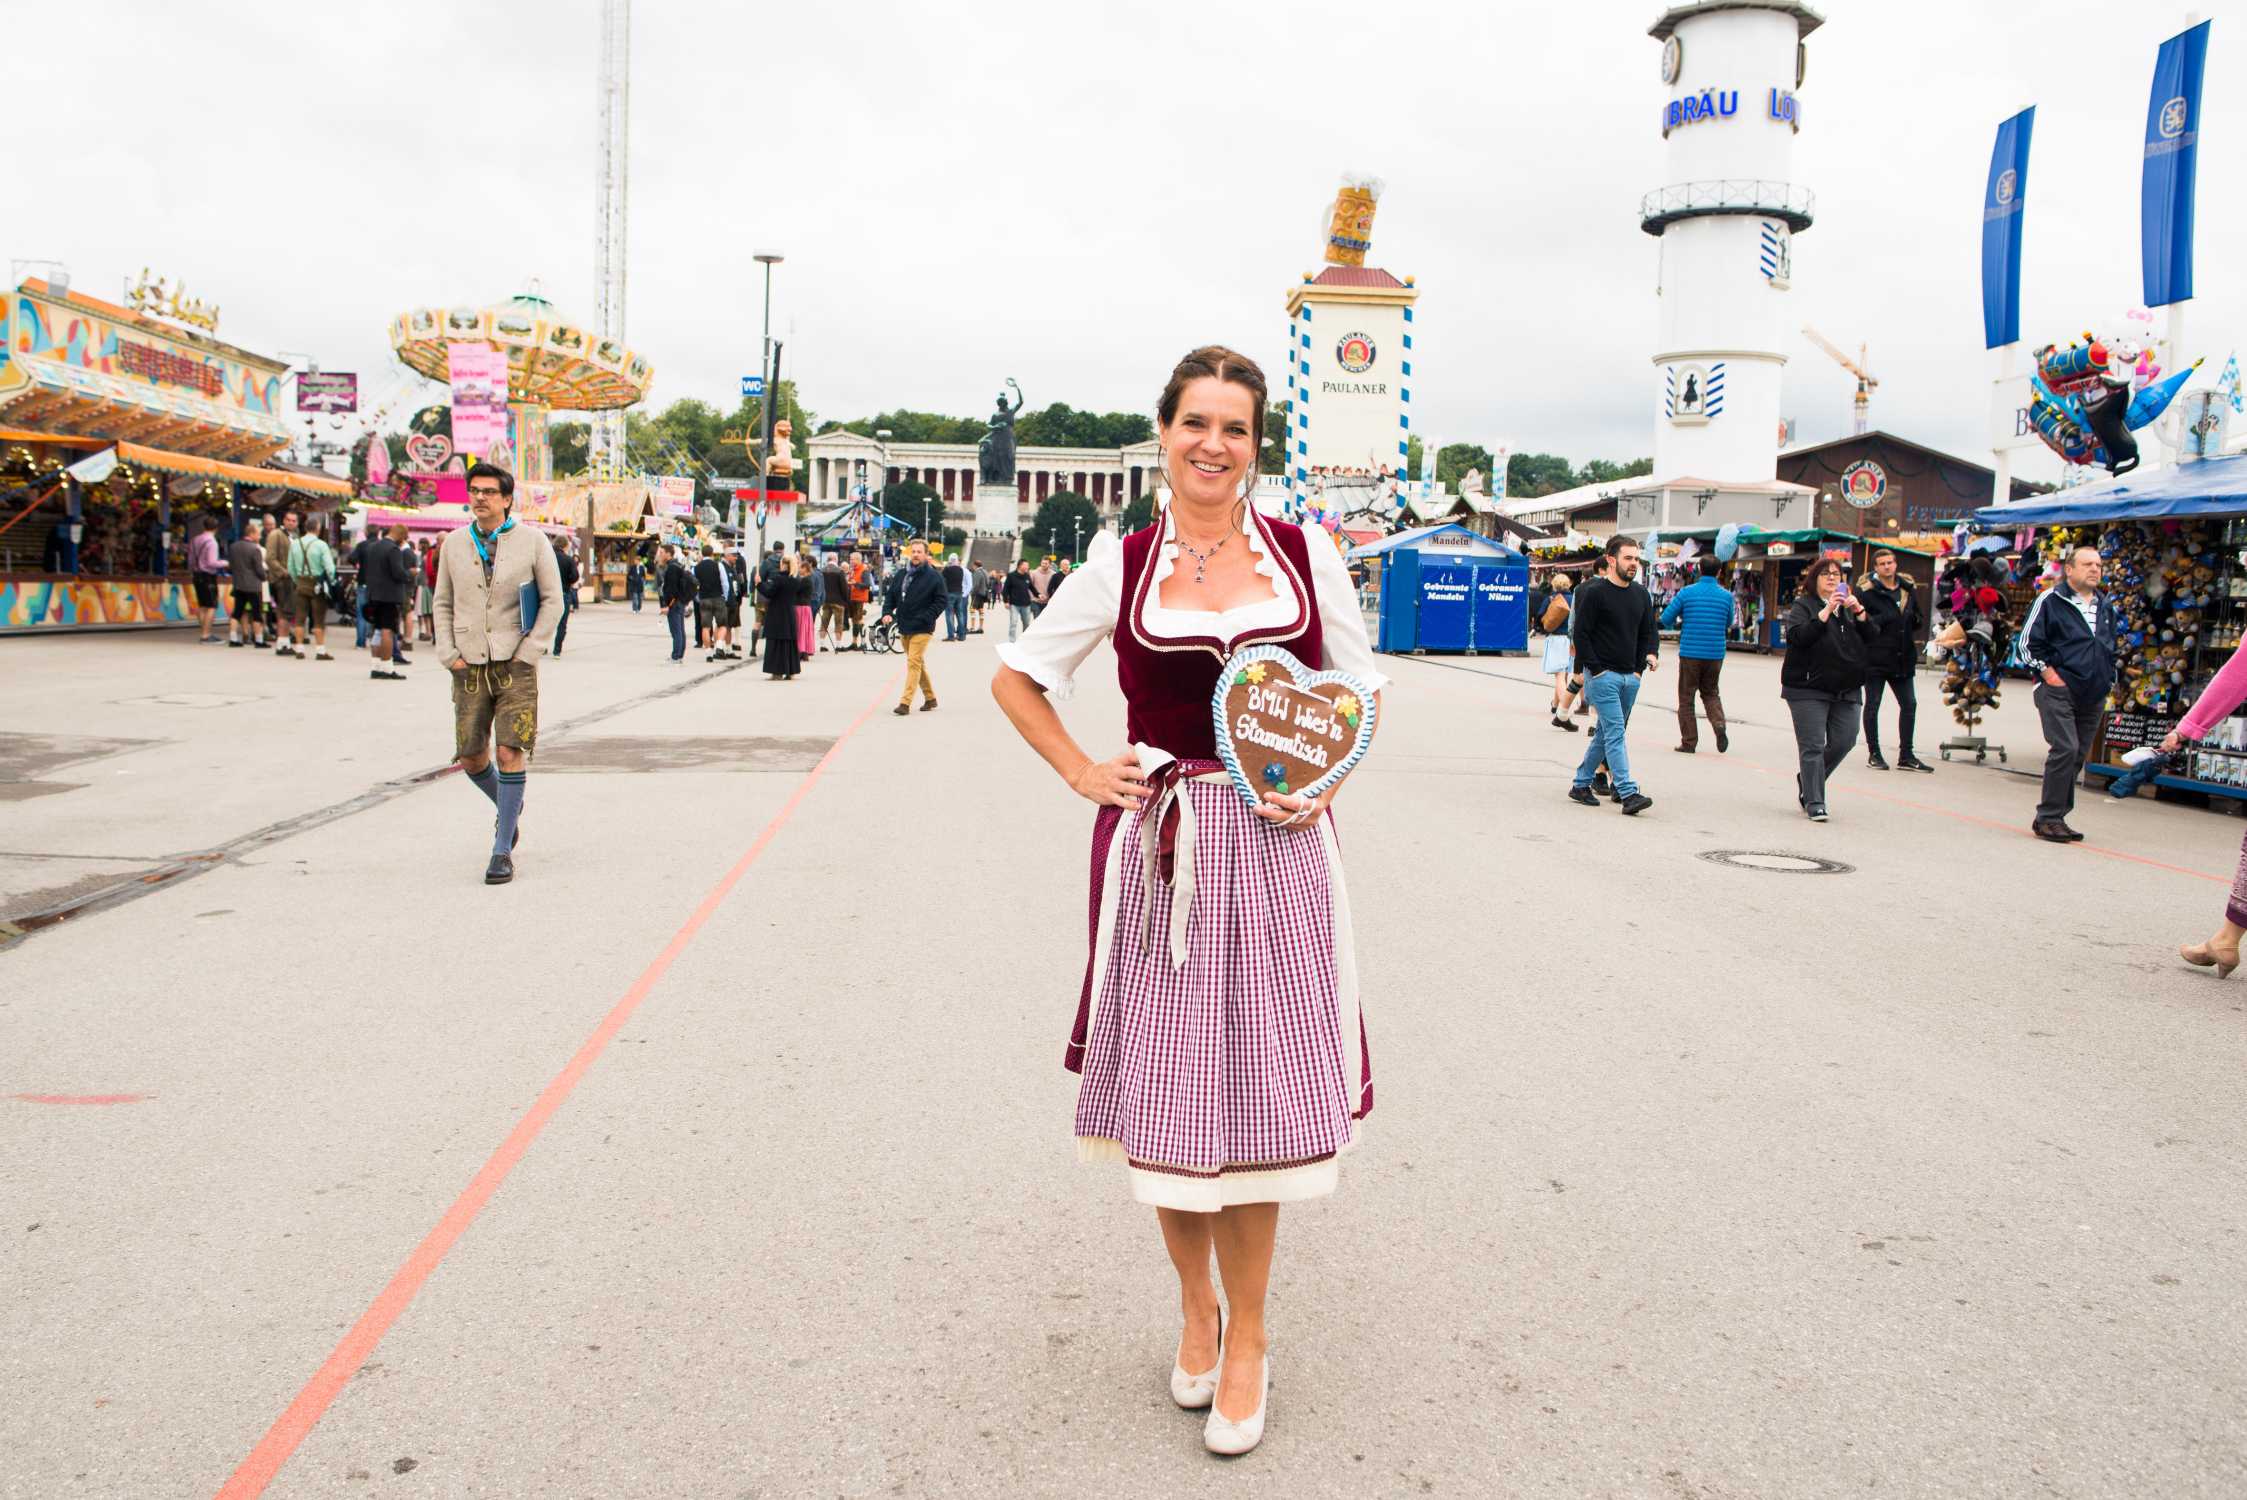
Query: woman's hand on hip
{"type": "Point", "coordinates": [1291, 811]}
{"type": "Point", "coordinates": [1117, 782]}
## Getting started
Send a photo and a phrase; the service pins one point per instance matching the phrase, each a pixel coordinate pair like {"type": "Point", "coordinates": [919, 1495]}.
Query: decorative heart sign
{"type": "Point", "coordinates": [1282, 727]}
{"type": "Point", "coordinates": [427, 451]}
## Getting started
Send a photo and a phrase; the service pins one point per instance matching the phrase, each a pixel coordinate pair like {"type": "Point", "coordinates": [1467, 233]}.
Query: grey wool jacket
{"type": "Point", "coordinates": [481, 622]}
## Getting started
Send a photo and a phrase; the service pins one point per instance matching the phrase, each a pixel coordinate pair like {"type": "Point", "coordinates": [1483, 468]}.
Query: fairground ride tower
{"type": "Point", "coordinates": [1731, 71]}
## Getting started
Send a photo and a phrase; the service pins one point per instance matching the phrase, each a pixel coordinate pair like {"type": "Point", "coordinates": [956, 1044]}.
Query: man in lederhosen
{"type": "Point", "coordinates": [490, 573]}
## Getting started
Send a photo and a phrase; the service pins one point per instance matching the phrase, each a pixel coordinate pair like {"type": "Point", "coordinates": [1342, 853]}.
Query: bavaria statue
{"type": "Point", "coordinates": [996, 451]}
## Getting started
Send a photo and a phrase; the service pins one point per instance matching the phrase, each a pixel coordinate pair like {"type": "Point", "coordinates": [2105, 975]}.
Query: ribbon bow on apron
{"type": "Point", "coordinates": [1166, 841]}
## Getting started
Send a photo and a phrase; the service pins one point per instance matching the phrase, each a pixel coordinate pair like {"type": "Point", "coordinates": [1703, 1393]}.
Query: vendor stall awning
{"type": "Point", "coordinates": [2212, 487]}
{"type": "Point", "coordinates": [216, 468]}
{"type": "Point", "coordinates": [295, 480]}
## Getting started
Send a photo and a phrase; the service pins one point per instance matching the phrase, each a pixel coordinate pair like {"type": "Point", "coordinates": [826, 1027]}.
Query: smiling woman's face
{"type": "Point", "coordinates": [1212, 442]}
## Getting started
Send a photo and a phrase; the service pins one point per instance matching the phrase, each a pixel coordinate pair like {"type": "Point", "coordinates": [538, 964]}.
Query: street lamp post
{"type": "Point", "coordinates": [769, 365]}
{"type": "Point", "coordinates": [880, 492]}
{"type": "Point", "coordinates": [1076, 546]}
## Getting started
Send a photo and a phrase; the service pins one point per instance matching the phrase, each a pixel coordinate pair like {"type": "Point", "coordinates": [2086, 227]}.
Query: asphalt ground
{"type": "Point", "coordinates": [726, 1152]}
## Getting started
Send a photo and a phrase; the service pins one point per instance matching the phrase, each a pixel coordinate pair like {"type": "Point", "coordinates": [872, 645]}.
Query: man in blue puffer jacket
{"type": "Point", "coordinates": [1702, 616]}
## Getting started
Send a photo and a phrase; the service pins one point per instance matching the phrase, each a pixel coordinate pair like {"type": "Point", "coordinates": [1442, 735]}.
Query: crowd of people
{"type": "Point", "coordinates": [788, 605]}
{"type": "Point", "coordinates": [283, 582]}
{"type": "Point", "coordinates": [1849, 648]}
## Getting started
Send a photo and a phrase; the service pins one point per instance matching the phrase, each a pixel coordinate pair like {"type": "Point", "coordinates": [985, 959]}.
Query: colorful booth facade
{"type": "Point", "coordinates": [166, 424]}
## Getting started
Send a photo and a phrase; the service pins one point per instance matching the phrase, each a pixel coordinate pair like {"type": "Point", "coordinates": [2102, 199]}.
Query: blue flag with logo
{"type": "Point", "coordinates": [2002, 204]}
{"type": "Point", "coordinates": [2172, 154]}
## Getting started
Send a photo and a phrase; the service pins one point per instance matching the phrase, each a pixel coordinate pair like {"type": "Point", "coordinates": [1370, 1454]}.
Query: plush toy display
{"type": "Point", "coordinates": [2162, 577]}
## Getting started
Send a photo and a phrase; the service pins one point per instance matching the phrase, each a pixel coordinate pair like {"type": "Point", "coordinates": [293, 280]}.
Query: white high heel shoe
{"type": "Point", "coordinates": [1223, 1435]}
{"type": "Point", "coordinates": [1193, 1392]}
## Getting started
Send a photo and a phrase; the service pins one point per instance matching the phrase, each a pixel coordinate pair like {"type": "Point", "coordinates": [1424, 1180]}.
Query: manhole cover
{"type": "Point", "coordinates": [1776, 862]}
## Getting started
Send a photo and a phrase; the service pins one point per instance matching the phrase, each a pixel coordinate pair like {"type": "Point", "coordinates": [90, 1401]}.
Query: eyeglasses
{"type": "Point", "coordinates": [485, 493]}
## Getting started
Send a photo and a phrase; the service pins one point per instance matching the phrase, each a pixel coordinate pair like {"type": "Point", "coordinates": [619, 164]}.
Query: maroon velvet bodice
{"type": "Point", "coordinates": [1168, 684]}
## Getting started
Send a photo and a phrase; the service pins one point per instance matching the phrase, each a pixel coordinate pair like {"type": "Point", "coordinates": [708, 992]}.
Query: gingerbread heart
{"type": "Point", "coordinates": [1282, 727]}
{"type": "Point", "coordinates": [427, 451]}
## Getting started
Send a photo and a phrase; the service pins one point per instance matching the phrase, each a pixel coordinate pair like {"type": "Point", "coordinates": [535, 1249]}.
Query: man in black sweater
{"type": "Point", "coordinates": [1616, 637]}
{"type": "Point", "coordinates": [674, 593]}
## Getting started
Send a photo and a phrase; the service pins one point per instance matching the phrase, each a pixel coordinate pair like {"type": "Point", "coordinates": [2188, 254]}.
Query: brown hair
{"type": "Point", "coordinates": [1216, 362]}
{"type": "Point", "coordinates": [1807, 588]}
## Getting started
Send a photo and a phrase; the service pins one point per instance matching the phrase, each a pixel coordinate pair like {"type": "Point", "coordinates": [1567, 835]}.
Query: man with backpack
{"type": "Point", "coordinates": [312, 570]}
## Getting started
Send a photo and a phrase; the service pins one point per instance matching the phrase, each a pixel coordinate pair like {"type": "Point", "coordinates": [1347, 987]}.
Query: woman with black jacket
{"type": "Point", "coordinates": [782, 592]}
{"type": "Point", "coordinates": [1831, 644]}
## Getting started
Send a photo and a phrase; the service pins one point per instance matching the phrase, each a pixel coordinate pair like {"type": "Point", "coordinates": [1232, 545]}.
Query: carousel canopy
{"type": "Point", "coordinates": [550, 361]}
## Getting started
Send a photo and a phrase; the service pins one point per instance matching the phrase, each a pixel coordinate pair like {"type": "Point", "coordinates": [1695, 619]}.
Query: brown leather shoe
{"type": "Point", "coordinates": [2053, 833]}
{"type": "Point", "coordinates": [901, 710]}
{"type": "Point", "coordinates": [927, 704]}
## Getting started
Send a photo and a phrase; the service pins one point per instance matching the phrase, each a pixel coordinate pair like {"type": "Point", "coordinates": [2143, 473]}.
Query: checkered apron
{"type": "Point", "coordinates": [1215, 1044]}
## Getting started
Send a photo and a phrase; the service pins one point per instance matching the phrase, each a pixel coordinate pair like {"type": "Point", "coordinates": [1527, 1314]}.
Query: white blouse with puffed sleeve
{"type": "Point", "coordinates": [1086, 610]}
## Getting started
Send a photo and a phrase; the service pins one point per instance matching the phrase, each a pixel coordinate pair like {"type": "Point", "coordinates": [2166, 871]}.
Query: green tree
{"type": "Point", "coordinates": [1055, 528]}
{"type": "Point", "coordinates": [904, 501]}
{"type": "Point", "coordinates": [1139, 514]}
{"type": "Point", "coordinates": [1271, 458]}
{"type": "Point", "coordinates": [1600, 471]}
{"type": "Point", "coordinates": [1529, 475]}
{"type": "Point", "coordinates": [913, 427]}
{"type": "Point", "coordinates": [1453, 460]}
{"type": "Point", "coordinates": [1063, 426]}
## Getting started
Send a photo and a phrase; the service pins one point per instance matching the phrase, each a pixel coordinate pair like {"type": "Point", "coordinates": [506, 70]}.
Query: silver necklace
{"type": "Point", "coordinates": [1202, 558]}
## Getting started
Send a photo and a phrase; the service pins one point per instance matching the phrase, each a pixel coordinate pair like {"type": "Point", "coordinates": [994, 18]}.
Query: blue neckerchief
{"type": "Point", "coordinates": [483, 543]}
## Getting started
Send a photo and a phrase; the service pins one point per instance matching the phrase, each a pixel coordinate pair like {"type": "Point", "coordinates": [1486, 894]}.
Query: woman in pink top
{"type": "Point", "coordinates": [2224, 695]}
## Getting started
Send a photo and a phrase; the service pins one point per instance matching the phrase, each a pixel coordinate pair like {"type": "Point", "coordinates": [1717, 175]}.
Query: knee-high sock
{"type": "Point", "coordinates": [510, 808]}
{"type": "Point", "coordinates": [486, 781]}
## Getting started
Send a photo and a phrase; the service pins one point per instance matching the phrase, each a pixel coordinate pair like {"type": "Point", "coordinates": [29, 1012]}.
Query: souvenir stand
{"type": "Point", "coordinates": [2175, 545]}
{"type": "Point", "coordinates": [609, 521]}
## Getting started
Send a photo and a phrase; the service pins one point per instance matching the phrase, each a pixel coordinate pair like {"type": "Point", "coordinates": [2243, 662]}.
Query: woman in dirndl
{"type": "Point", "coordinates": [1221, 1054]}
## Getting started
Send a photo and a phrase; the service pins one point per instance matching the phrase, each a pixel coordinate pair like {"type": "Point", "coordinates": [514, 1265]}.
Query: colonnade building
{"type": "Point", "coordinates": [1111, 478]}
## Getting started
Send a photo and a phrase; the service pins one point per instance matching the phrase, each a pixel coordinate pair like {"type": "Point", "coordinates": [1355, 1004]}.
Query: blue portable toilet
{"type": "Point", "coordinates": [1445, 588]}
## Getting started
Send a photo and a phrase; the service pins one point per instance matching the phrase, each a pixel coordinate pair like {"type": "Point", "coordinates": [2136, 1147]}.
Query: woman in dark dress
{"type": "Point", "coordinates": [782, 592]}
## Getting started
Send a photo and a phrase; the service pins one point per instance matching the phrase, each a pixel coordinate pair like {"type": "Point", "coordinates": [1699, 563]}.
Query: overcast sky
{"type": "Point", "coordinates": [1075, 194]}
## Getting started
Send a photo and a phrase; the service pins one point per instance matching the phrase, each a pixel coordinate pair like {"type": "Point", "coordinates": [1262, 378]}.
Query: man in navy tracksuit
{"type": "Point", "coordinates": [1702, 615]}
{"type": "Point", "coordinates": [2069, 642]}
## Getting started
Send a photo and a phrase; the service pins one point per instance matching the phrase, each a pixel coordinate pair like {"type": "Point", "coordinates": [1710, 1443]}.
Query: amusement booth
{"type": "Point", "coordinates": [2174, 541]}
{"type": "Point", "coordinates": [119, 433]}
{"type": "Point", "coordinates": [1445, 588]}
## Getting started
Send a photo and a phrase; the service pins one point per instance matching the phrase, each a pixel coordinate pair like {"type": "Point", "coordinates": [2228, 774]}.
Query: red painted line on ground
{"type": "Point", "coordinates": [80, 1098]}
{"type": "Point", "coordinates": [311, 1403]}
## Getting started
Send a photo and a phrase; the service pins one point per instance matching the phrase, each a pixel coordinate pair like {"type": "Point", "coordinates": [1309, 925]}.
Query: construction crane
{"type": "Point", "coordinates": [1861, 408]}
